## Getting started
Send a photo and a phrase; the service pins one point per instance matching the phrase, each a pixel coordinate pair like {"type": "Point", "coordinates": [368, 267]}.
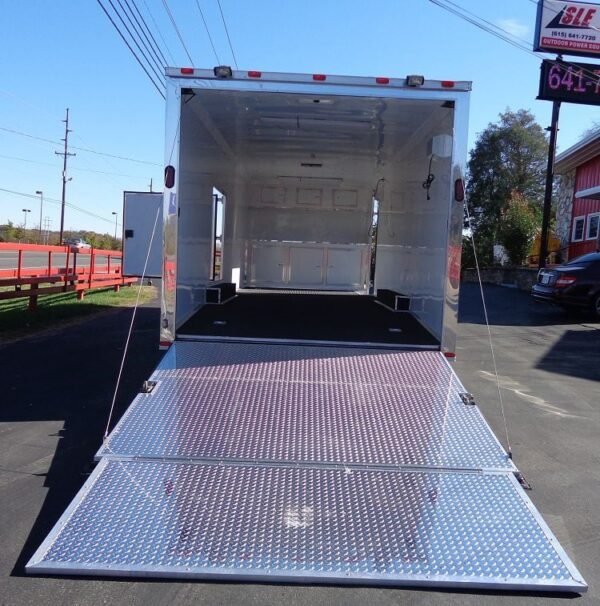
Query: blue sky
{"type": "Point", "coordinates": [65, 53]}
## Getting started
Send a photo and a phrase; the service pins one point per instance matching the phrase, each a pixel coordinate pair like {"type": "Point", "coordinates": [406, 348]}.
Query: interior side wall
{"type": "Point", "coordinates": [412, 236]}
{"type": "Point", "coordinates": [203, 165]}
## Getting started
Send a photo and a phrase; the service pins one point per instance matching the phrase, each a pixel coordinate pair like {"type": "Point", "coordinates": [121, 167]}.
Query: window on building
{"type": "Point", "coordinates": [593, 223]}
{"type": "Point", "coordinates": [578, 225]}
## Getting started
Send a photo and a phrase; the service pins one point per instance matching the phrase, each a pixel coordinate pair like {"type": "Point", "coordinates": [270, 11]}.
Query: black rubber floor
{"type": "Point", "coordinates": [352, 318]}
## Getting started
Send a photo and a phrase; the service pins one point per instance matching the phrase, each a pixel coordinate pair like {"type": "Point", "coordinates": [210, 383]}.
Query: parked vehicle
{"type": "Point", "coordinates": [77, 243]}
{"type": "Point", "coordinates": [573, 285]}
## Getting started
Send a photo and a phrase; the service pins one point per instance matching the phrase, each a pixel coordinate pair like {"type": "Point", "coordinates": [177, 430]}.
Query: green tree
{"type": "Point", "coordinates": [509, 157]}
{"type": "Point", "coordinates": [519, 224]}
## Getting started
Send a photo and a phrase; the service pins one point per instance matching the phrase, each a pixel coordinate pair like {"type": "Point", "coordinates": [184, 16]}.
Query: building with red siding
{"type": "Point", "coordinates": [578, 207]}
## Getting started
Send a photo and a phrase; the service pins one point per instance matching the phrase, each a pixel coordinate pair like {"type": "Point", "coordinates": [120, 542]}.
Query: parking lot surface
{"type": "Point", "coordinates": [58, 386]}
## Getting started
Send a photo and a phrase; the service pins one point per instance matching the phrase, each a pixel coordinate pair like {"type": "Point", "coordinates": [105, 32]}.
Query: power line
{"type": "Point", "coordinates": [22, 134]}
{"type": "Point", "coordinates": [208, 33]}
{"type": "Point", "coordinates": [92, 151]}
{"type": "Point", "coordinates": [55, 201]}
{"type": "Point", "coordinates": [485, 28]}
{"type": "Point", "coordinates": [177, 31]}
{"type": "Point", "coordinates": [84, 149]}
{"type": "Point", "coordinates": [76, 135]}
{"type": "Point", "coordinates": [76, 168]}
{"type": "Point", "coordinates": [155, 43]}
{"type": "Point", "coordinates": [227, 32]}
{"type": "Point", "coordinates": [490, 23]}
{"type": "Point", "coordinates": [143, 28]}
{"type": "Point", "coordinates": [159, 32]}
{"type": "Point", "coordinates": [160, 92]}
{"type": "Point", "coordinates": [132, 37]}
{"type": "Point", "coordinates": [150, 55]}
{"type": "Point", "coordinates": [526, 48]}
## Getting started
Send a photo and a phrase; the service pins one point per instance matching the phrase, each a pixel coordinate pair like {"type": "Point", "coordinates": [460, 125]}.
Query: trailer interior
{"type": "Point", "coordinates": [312, 185]}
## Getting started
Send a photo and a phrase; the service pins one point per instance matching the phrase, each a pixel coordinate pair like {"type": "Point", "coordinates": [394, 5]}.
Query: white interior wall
{"type": "Point", "coordinates": [204, 164]}
{"type": "Point", "coordinates": [412, 237]}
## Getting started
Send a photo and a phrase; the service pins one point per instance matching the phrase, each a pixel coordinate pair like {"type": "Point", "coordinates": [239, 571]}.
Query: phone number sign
{"type": "Point", "coordinates": [572, 28]}
{"type": "Point", "coordinates": [571, 82]}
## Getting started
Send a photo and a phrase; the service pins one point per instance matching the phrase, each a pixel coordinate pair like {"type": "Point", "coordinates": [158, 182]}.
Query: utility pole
{"type": "Point", "coordinates": [549, 184]}
{"type": "Point", "coordinates": [150, 185]}
{"type": "Point", "coordinates": [47, 222]}
{"type": "Point", "coordinates": [65, 154]}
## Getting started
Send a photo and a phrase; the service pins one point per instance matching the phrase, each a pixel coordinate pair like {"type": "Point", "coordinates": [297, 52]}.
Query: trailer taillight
{"type": "Point", "coordinates": [186, 71]}
{"type": "Point", "coordinates": [253, 74]}
{"type": "Point", "coordinates": [319, 77]}
{"type": "Point", "coordinates": [382, 80]}
{"type": "Point", "coordinates": [169, 176]}
{"type": "Point", "coordinates": [450, 354]}
{"type": "Point", "coordinates": [448, 83]}
{"type": "Point", "coordinates": [459, 190]}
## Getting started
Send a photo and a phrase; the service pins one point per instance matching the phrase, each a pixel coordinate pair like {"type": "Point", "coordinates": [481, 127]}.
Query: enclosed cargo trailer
{"type": "Point", "coordinates": [305, 424]}
{"type": "Point", "coordinates": [329, 184]}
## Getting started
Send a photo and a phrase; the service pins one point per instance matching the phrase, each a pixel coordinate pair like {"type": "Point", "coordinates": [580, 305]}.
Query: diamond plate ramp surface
{"type": "Point", "coordinates": [316, 524]}
{"type": "Point", "coordinates": [307, 464]}
{"type": "Point", "coordinates": [307, 404]}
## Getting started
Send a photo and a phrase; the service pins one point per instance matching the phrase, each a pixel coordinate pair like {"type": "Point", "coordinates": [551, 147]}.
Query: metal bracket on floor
{"type": "Point", "coordinates": [467, 398]}
{"type": "Point", "coordinates": [522, 481]}
{"type": "Point", "coordinates": [148, 386]}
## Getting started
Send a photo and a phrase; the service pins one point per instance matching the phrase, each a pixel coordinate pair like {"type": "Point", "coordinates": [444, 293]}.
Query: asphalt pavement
{"type": "Point", "coordinates": [57, 389]}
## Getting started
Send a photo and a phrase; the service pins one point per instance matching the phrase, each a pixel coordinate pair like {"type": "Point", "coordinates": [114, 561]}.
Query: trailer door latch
{"type": "Point", "coordinates": [148, 386]}
{"type": "Point", "coordinates": [467, 398]}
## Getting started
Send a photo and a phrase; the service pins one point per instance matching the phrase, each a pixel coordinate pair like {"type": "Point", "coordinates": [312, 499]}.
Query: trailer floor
{"type": "Point", "coordinates": [333, 317]}
{"type": "Point", "coordinates": [306, 464]}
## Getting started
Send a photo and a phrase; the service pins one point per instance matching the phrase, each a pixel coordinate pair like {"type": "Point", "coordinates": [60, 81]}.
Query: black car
{"type": "Point", "coordinates": [574, 285]}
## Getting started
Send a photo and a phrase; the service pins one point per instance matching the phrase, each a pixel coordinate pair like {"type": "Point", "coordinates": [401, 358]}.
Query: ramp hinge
{"type": "Point", "coordinates": [467, 398]}
{"type": "Point", "coordinates": [522, 481]}
{"type": "Point", "coordinates": [148, 386]}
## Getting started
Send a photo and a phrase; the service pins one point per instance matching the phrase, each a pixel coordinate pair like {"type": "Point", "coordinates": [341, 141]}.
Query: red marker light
{"type": "Point", "coordinates": [448, 83]}
{"type": "Point", "coordinates": [319, 77]}
{"type": "Point", "coordinates": [450, 354]}
{"type": "Point", "coordinates": [169, 176]}
{"type": "Point", "coordinates": [382, 80]}
{"type": "Point", "coordinates": [253, 74]}
{"type": "Point", "coordinates": [187, 70]}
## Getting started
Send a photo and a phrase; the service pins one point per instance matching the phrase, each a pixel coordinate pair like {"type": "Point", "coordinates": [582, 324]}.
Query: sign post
{"type": "Point", "coordinates": [549, 185]}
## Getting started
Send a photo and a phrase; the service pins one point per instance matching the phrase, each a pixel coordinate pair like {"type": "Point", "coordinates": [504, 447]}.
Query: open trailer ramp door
{"type": "Point", "coordinates": [307, 464]}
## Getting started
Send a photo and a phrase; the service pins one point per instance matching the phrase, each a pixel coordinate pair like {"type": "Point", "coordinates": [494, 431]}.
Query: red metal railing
{"type": "Point", "coordinates": [67, 269]}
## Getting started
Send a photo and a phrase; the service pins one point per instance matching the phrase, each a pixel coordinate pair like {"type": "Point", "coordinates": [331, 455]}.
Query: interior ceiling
{"type": "Point", "coordinates": [304, 129]}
